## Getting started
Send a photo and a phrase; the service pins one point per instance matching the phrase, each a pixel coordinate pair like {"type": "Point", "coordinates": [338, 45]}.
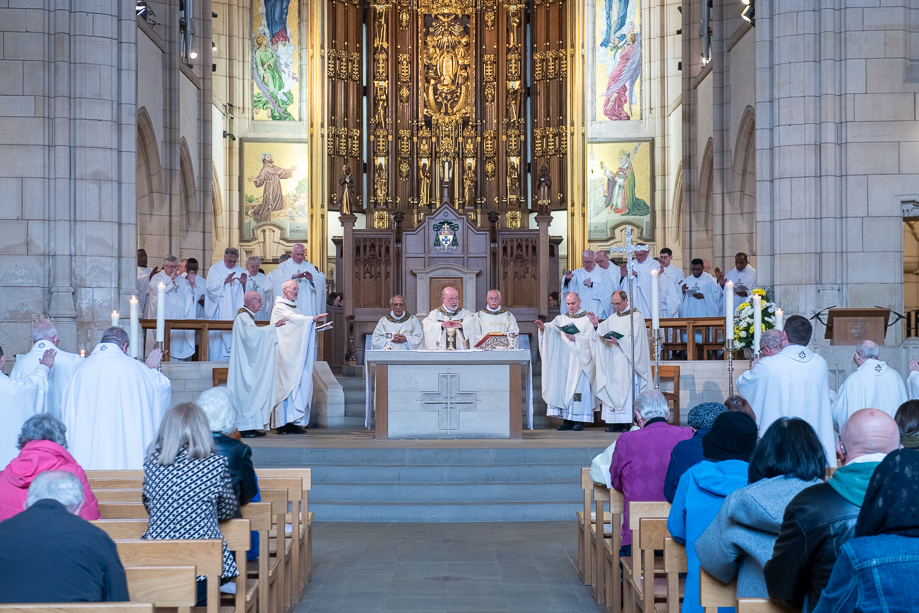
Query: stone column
{"type": "Point", "coordinates": [543, 222]}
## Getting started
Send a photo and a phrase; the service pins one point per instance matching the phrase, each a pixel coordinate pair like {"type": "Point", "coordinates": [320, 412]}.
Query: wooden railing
{"type": "Point", "coordinates": [201, 326]}
{"type": "Point", "coordinates": [700, 338]}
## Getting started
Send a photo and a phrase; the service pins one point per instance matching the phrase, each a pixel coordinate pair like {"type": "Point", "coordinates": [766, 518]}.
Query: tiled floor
{"type": "Point", "coordinates": [438, 568]}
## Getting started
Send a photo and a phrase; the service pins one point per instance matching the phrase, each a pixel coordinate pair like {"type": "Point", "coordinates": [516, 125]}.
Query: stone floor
{"type": "Point", "coordinates": [439, 568]}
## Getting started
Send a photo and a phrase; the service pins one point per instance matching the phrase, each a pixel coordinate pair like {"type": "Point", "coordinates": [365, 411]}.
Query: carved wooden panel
{"type": "Point", "coordinates": [373, 269]}
{"type": "Point", "coordinates": [519, 268]}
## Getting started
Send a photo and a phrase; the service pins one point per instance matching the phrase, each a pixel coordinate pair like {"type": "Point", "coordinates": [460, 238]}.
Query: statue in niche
{"type": "Point", "coordinates": [446, 184]}
{"type": "Point", "coordinates": [379, 40]}
{"type": "Point", "coordinates": [424, 197]}
{"type": "Point", "coordinates": [380, 185]}
{"type": "Point", "coordinates": [513, 182]}
{"type": "Point", "coordinates": [512, 103]}
{"type": "Point", "coordinates": [446, 62]}
{"type": "Point", "coordinates": [346, 183]}
{"type": "Point", "coordinates": [543, 191]}
{"type": "Point", "coordinates": [379, 99]}
{"type": "Point", "coordinates": [469, 185]}
{"type": "Point", "coordinates": [513, 24]}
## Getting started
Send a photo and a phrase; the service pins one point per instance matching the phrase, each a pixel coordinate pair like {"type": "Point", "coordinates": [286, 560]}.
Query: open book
{"type": "Point", "coordinates": [613, 334]}
{"type": "Point", "coordinates": [569, 329]}
{"type": "Point", "coordinates": [490, 336]}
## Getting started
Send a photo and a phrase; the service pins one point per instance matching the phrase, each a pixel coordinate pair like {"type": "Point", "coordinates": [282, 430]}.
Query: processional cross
{"type": "Point", "coordinates": [448, 401]}
{"type": "Point", "coordinates": [629, 249]}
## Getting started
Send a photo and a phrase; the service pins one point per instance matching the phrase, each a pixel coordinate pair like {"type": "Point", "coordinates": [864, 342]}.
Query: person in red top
{"type": "Point", "coordinates": [640, 460]}
{"type": "Point", "coordinates": [43, 447]}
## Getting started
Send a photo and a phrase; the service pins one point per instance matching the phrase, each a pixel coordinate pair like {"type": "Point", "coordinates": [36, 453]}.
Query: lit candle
{"type": "Point", "coordinates": [757, 322]}
{"type": "Point", "coordinates": [115, 319]}
{"type": "Point", "coordinates": [729, 310]}
{"type": "Point", "coordinates": [134, 333]}
{"type": "Point", "coordinates": [779, 319]}
{"type": "Point", "coordinates": [82, 353]}
{"type": "Point", "coordinates": [160, 313]}
{"type": "Point", "coordinates": [655, 301]}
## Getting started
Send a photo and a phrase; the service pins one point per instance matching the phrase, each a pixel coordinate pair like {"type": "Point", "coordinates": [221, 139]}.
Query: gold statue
{"type": "Point", "coordinates": [469, 185]}
{"type": "Point", "coordinates": [513, 182]}
{"type": "Point", "coordinates": [379, 40]}
{"type": "Point", "coordinates": [380, 185]}
{"type": "Point", "coordinates": [512, 104]}
{"type": "Point", "coordinates": [446, 61]}
{"type": "Point", "coordinates": [346, 182]}
{"type": "Point", "coordinates": [379, 99]}
{"type": "Point", "coordinates": [544, 191]}
{"type": "Point", "coordinates": [424, 198]}
{"type": "Point", "coordinates": [513, 24]}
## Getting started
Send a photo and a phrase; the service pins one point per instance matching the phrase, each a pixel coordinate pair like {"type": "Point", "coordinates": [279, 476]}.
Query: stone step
{"type": "Point", "coordinates": [438, 474]}
{"type": "Point", "coordinates": [446, 512]}
{"type": "Point", "coordinates": [431, 493]}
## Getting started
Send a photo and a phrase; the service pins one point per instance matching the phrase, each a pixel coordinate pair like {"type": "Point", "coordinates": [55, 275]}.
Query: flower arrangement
{"type": "Point", "coordinates": [743, 319]}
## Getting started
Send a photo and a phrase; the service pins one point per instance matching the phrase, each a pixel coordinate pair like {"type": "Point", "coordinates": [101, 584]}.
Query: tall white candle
{"type": "Point", "coordinates": [779, 319]}
{"type": "Point", "coordinates": [134, 332]}
{"type": "Point", "coordinates": [115, 319]}
{"type": "Point", "coordinates": [160, 313]}
{"type": "Point", "coordinates": [729, 310]}
{"type": "Point", "coordinates": [757, 321]}
{"type": "Point", "coordinates": [655, 301]}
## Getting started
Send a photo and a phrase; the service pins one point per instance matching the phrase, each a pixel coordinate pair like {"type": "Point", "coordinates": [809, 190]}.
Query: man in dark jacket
{"type": "Point", "coordinates": [688, 453]}
{"type": "Point", "coordinates": [821, 519]}
{"type": "Point", "coordinates": [219, 404]}
{"type": "Point", "coordinates": [50, 554]}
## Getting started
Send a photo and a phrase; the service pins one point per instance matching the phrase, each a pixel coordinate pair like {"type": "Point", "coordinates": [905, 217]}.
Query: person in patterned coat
{"type": "Point", "coordinates": [187, 486]}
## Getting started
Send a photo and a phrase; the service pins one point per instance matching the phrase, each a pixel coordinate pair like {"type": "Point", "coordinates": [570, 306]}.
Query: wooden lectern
{"type": "Point", "coordinates": [852, 326]}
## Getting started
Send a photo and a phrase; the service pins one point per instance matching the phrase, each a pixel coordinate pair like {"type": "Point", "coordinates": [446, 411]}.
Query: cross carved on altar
{"type": "Point", "coordinates": [448, 401]}
{"type": "Point", "coordinates": [629, 249]}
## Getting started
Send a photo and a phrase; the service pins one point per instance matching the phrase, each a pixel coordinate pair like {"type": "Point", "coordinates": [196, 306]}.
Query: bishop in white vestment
{"type": "Point", "coordinates": [253, 374]}
{"type": "Point", "coordinates": [448, 315]}
{"type": "Point", "coordinates": [873, 385]}
{"type": "Point", "coordinates": [403, 329]}
{"type": "Point", "coordinates": [566, 381]}
{"type": "Point", "coordinates": [612, 360]}
{"type": "Point", "coordinates": [258, 282]}
{"type": "Point", "coordinates": [492, 318]}
{"type": "Point", "coordinates": [44, 337]}
{"type": "Point", "coordinates": [641, 281]}
{"type": "Point", "coordinates": [311, 297]}
{"type": "Point", "coordinates": [180, 304]}
{"type": "Point", "coordinates": [701, 294]}
{"type": "Point", "coordinates": [296, 350]}
{"type": "Point", "coordinates": [592, 284]}
{"type": "Point", "coordinates": [20, 402]}
{"type": "Point", "coordinates": [113, 405]}
{"type": "Point", "coordinates": [792, 383]}
{"type": "Point", "coordinates": [225, 289]}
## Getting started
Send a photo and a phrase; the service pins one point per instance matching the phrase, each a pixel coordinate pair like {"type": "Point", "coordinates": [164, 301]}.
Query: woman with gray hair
{"type": "Point", "coordinates": [43, 446]}
{"type": "Point", "coordinates": [219, 406]}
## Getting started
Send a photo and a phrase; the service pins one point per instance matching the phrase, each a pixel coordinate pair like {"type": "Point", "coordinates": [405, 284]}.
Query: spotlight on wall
{"type": "Point", "coordinates": [229, 135]}
{"type": "Point", "coordinates": [193, 55]}
{"type": "Point", "coordinates": [144, 11]}
{"type": "Point", "coordinates": [213, 46]}
{"type": "Point", "coordinates": [749, 12]}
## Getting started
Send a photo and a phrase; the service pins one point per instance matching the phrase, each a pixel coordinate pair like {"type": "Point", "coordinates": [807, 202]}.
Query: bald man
{"type": "Point", "coordinates": [493, 319]}
{"type": "Point", "coordinates": [821, 519]}
{"type": "Point", "coordinates": [311, 295]}
{"type": "Point", "coordinates": [397, 331]}
{"type": "Point", "coordinates": [873, 384]}
{"type": "Point", "coordinates": [448, 315]}
{"type": "Point", "coordinates": [770, 343]}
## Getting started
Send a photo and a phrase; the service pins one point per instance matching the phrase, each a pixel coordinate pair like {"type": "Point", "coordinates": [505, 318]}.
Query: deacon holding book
{"type": "Point", "coordinates": [565, 380]}
{"type": "Point", "coordinates": [439, 323]}
{"type": "Point", "coordinates": [491, 320]}
{"type": "Point", "coordinates": [610, 350]}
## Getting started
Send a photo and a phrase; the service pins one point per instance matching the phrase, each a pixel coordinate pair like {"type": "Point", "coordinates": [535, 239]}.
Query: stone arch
{"type": "Point", "coordinates": [701, 223]}
{"type": "Point", "coordinates": [217, 207]}
{"type": "Point", "coordinates": [152, 217]}
{"type": "Point", "coordinates": [187, 190]}
{"type": "Point", "coordinates": [675, 220]}
{"type": "Point", "coordinates": [740, 218]}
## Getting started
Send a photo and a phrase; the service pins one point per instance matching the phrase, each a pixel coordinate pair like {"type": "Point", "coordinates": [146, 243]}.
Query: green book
{"type": "Point", "coordinates": [612, 334]}
{"type": "Point", "coordinates": [569, 329]}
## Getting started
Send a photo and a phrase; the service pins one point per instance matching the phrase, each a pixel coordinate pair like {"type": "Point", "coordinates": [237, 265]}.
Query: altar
{"type": "Point", "coordinates": [448, 394]}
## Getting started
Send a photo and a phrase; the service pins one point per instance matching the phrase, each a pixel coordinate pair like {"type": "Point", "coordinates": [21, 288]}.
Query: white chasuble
{"type": "Point", "coordinates": [253, 372]}
{"type": "Point", "coordinates": [20, 402]}
{"type": "Point", "coordinates": [709, 305]}
{"type": "Point", "coordinates": [873, 385]}
{"type": "Point", "coordinates": [112, 408]}
{"type": "Point", "coordinates": [671, 294]}
{"type": "Point", "coordinates": [435, 336]}
{"type": "Point", "coordinates": [64, 364]}
{"type": "Point", "coordinates": [180, 304]}
{"type": "Point", "coordinates": [311, 299]}
{"type": "Point", "coordinates": [223, 300]}
{"type": "Point", "coordinates": [296, 348]}
{"type": "Point", "coordinates": [641, 285]}
{"type": "Point", "coordinates": [595, 298]}
{"type": "Point", "coordinates": [744, 281]}
{"type": "Point", "coordinates": [566, 382]}
{"type": "Point", "coordinates": [407, 325]}
{"type": "Point", "coordinates": [792, 383]}
{"type": "Point", "coordinates": [613, 366]}
{"type": "Point", "coordinates": [142, 285]}
{"type": "Point", "coordinates": [484, 322]}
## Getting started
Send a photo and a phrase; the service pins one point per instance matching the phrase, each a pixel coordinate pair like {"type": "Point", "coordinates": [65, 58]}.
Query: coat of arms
{"type": "Point", "coordinates": [445, 238]}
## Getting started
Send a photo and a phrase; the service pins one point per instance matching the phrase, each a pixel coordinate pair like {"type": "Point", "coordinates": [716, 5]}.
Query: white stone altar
{"type": "Point", "coordinates": [448, 394]}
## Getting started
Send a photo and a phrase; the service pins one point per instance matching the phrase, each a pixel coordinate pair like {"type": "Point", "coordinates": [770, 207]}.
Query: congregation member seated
{"type": "Point", "coordinates": [639, 462]}
{"type": "Point", "coordinates": [875, 569]}
{"type": "Point", "coordinates": [689, 452]}
{"type": "Point", "coordinates": [703, 488]}
{"type": "Point", "coordinates": [820, 519]}
{"type": "Point", "coordinates": [739, 542]}
{"type": "Point", "coordinates": [907, 418]}
{"type": "Point", "coordinates": [49, 554]}
{"type": "Point", "coordinates": [43, 446]}
{"type": "Point", "coordinates": [739, 404]}
{"type": "Point", "coordinates": [187, 486]}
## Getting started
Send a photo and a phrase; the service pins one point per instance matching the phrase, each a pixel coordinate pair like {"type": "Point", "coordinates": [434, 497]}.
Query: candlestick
{"type": "Point", "coordinates": [757, 323]}
{"type": "Point", "coordinates": [160, 313]}
{"type": "Point", "coordinates": [730, 348]}
{"type": "Point", "coordinates": [115, 319]}
{"type": "Point", "coordinates": [657, 358]}
{"type": "Point", "coordinates": [133, 333]}
{"type": "Point", "coordinates": [779, 319]}
{"type": "Point", "coordinates": [655, 301]}
{"type": "Point", "coordinates": [729, 310]}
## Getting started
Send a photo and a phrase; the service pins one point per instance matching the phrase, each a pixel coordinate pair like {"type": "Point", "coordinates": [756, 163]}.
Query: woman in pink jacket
{"type": "Point", "coordinates": [43, 446]}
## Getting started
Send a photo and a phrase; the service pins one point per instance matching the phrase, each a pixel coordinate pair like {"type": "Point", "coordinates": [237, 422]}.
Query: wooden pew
{"type": "Point", "coordinates": [122, 510]}
{"type": "Point", "coordinates": [294, 488]}
{"type": "Point", "coordinates": [632, 567]}
{"type": "Point", "coordinates": [596, 521]}
{"type": "Point", "coordinates": [278, 566]}
{"type": "Point", "coordinates": [133, 495]}
{"type": "Point", "coordinates": [610, 570]}
{"type": "Point", "coordinates": [78, 607]}
{"type": "Point", "coordinates": [675, 562]}
{"type": "Point", "coordinates": [762, 605]}
{"type": "Point", "coordinates": [583, 518]}
{"type": "Point", "coordinates": [649, 587]}
{"type": "Point", "coordinates": [264, 568]}
{"type": "Point", "coordinates": [306, 517]}
{"type": "Point", "coordinates": [164, 586]}
{"type": "Point", "coordinates": [115, 474]}
{"type": "Point", "coordinates": [713, 593]}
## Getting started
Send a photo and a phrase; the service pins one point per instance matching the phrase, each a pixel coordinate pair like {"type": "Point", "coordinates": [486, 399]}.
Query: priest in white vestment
{"type": "Point", "coordinates": [399, 331]}
{"type": "Point", "coordinates": [792, 383]}
{"type": "Point", "coordinates": [491, 319]}
{"type": "Point", "coordinates": [447, 315]}
{"type": "Point", "coordinates": [873, 385]}
{"type": "Point", "coordinates": [701, 294]}
{"type": "Point", "coordinates": [270, 282]}
{"type": "Point", "coordinates": [671, 277]}
{"type": "Point", "coordinates": [198, 284]}
{"type": "Point", "coordinates": [258, 282]}
{"type": "Point", "coordinates": [641, 280]}
{"type": "Point", "coordinates": [144, 273]}
{"type": "Point", "coordinates": [612, 361]}
{"type": "Point", "coordinates": [743, 275]}
{"type": "Point", "coordinates": [296, 350]}
{"type": "Point", "coordinates": [592, 284]}
{"type": "Point", "coordinates": [20, 402]}
{"type": "Point", "coordinates": [113, 405]}
{"type": "Point", "coordinates": [226, 285]}
{"type": "Point", "coordinates": [566, 381]}
{"type": "Point", "coordinates": [253, 373]}
{"type": "Point", "coordinates": [44, 337]}
{"type": "Point", "coordinates": [311, 297]}
{"type": "Point", "coordinates": [180, 304]}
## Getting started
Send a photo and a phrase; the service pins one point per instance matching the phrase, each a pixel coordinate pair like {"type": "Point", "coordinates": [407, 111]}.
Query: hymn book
{"type": "Point", "coordinates": [569, 329]}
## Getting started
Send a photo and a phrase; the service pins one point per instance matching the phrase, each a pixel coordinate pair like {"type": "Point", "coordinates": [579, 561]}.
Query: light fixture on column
{"type": "Point", "coordinates": [213, 46]}
{"type": "Point", "coordinates": [749, 11]}
{"type": "Point", "coordinates": [144, 11]}
{"type": "Point", "coordinates": [193, 55]}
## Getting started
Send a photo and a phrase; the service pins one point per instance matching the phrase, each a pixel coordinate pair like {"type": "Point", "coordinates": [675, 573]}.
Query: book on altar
{"type": "Point", "coordinates": [489, 338]}
{"type": "Point", "coordinates": [569, 329]}
{"type": "Point", "coordinates": [613, 334]}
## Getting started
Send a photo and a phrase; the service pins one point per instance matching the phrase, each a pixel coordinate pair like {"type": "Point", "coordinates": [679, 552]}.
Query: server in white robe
{"type": "Point", "coordinates": [447, 315]}
{"type": "Point", "coordinates": [873, 385]}
{"type": "Point", "coordinates": [113, 405]}
{"type": "Point", "coordinates": [180, 304]}
{"type": "Point", "coordinates": [591, 283]}
{"type": "Point", "coordinates": [701, 294]}
{"type": "Point", "coordinates": [253, 373]}
{"type": "Point", "coordinates": [612, 360]}
{"type": "Point", "coordinates": [258, 282]}
{"type": "Point", "coordinates": [20, 402]}
{"type": "Point", "coordinates": [792, 383]}
{"type": "Point", "coordinates": [296, 350]}
{"type": "Point", "coordinates": [144, 273]}
{"type": "Point", "coordinates": [670, 278]}
{"type": "Point", "coordinates": [492, 318]}
{"type": "Point", "coordinates": [198, 284]}
{"type": "Point", "coordinates": [311, 297]}
{"type": "Point", "coordinates": [44, 337]}
{"type": "Point", "coordinates": [566, 381]}
{"type": "Point", "coordinates": [743, 275]}
{"type": "Point", "coordinates": [270, 281]}
{"type": "Point", "coordinates": [226, 285]}
{"type": "Point", "coordinates": [398, 330]}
